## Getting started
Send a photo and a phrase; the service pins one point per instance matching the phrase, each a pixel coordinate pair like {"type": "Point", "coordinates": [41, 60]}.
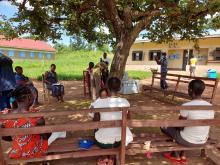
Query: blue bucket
{"type": "Point", "coordinates": [86, 144]}
{"type": "Point", "coordinates": [212, 73]}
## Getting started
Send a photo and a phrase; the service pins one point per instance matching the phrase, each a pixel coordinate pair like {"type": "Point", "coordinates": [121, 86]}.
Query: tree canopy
{"type": "Point", "coordinates": [118, 22]}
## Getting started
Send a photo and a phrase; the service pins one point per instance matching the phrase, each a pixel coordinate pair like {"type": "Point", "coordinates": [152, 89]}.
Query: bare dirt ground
{"type": "Point", "coordinates": [74, 99]}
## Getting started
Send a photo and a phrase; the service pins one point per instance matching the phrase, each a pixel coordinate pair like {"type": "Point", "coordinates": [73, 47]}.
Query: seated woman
{"type": "Point", "coordinates": [23, 80]}
{"type": "Point", "coordinates": [111, 137]}
{"type": "Point", "coordinates": [52, 84]}
{"type": "Point", "coordinates": [190, 136]}
{"type": "Point", "coordinates": [25, 146]}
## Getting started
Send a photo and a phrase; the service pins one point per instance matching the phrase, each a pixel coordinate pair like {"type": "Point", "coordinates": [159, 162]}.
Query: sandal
{"type": "Point", "coordinates": [172, 159]}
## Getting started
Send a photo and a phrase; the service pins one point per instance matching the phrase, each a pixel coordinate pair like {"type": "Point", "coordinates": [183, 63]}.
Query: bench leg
{"type": "Point", "coordinates": [203, 153]}
{"type": "Point", "coordinates": [117, 159]}
{"type": "Point", "coordinates": [48, 96]}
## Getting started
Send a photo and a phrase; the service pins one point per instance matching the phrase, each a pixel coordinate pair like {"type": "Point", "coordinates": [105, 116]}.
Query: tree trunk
{"type": "Point", "coordinates": [120, 58]}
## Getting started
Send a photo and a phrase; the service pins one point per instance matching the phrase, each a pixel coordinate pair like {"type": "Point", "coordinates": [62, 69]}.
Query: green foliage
{"type": "Point", "coordinates": [70, 65]}
{"type": "Point", "coordinates": [89, 18]}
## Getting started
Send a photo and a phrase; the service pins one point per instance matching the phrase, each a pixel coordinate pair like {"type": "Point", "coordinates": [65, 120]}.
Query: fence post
{"type": "Point", "coordinates": [123, 135]}
{"type": "Point", "coordinates": [214, 90]}
{"type": "Point", "coordinates": [152, 83]}
{"type": "Point", "coordinates": [176, 87]}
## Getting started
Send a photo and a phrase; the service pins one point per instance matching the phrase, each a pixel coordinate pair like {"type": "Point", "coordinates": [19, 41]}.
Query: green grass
{"type": "Point", "coordinates": [139, 74]}
{"type": "Point", "coordinates": [70, 65]}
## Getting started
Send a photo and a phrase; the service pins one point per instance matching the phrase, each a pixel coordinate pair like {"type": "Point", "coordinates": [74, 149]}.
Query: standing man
{"type": "Point", "coordinates": [163, 70]}
{"type": "Point", "coordinates": [105, 59]}
{"type": "Point", "coordinates": [193, 62]}
{"type": "Point", "coordinates": [7, 81]}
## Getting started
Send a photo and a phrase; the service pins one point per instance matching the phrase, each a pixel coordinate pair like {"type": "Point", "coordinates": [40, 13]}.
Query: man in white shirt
{"type": "Point", "coordinates": [190, 136]}
{"type": "Point", "coordinates": [105, 59]}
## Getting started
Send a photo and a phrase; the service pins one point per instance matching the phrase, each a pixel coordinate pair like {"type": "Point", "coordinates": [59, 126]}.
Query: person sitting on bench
{"type": "Point", "coordinates": [23, 80]}
{"type": "Point", "coordinates": [52, 84]}
{"type": "Point", "coordinates": [190, 136]}
{"type": "Point", "coordinates": [111, 137]}
{"type": "Point", "coordinates": [25, 146]}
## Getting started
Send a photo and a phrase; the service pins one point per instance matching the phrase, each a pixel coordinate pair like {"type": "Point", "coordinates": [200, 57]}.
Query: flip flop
{"type": "Point", "coordinates": [172, 159]}
{"type": "Point", "coordinates": [184, 161]}
{"type": "Point", "coordinates": [148, 155]}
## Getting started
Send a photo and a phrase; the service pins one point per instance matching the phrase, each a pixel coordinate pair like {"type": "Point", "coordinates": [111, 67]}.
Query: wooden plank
{"type": "Point", "coordinates": [58, 113]}
{"type": "Point", "coordinates": [123, 137]}
{"type": "Point", "coordinates": [189, 77]}
{"type": "Point", "coordinates": [213, 155]}
{"type": "Point", "coordinates": [172, 123]}
{"type": "Point", "coordinates": [169, 148]}
{"type": "Point", "coordinates": [58, 128]}
{"type": "Point", "coordinates": [172, 108]}
{"type": "Point", "coordinates": [79, 154]}
{"type": "Point", "coordinates": [74, 146]}
{"type": "Point", "coordinates": [82, 111]}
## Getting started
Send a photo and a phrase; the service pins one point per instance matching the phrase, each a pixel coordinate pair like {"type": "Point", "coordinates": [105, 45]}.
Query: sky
{"type": "Point", "coordinates": [9, 10]}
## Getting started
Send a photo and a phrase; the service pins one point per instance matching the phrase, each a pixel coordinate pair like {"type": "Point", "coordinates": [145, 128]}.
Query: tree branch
{"type": "Point", "coordinates": [110, 12]}
{"type": "Point", "coordinates": [143, 23]}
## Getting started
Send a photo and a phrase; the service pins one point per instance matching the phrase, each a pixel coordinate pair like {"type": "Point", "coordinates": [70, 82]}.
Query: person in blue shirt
{"type": "Point", "coordinates": [7, 81]}
{"type": "Point", "coordinates": [163, 70]}
{"type": "Point", "coordinates": [23, 80]}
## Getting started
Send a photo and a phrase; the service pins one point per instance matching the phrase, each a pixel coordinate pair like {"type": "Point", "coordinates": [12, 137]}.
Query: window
{"type": "Point", "coordinates": [40, 55]}
{"type": "Point", "coordinates": [22, 54]}
{"type": "Point", "coordinates": [217, 54]}
{"type": "Point", "coordinates": [11, 53]}
{"type": "Point", "coordinates": [48, 55]}
{"type": "Point", "coordinates": [32, 55]}
{"type": "Point", "coordinates": [137, 56]}
{"type": "Point", "coordinates": [153, 54]}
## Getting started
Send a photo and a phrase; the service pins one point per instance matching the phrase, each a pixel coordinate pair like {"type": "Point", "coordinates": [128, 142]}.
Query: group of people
{"type": "Point", "coordinates": [162, 61]}
{"type": "Point", "coordinates": [10, 80]}
{"type": "Point", "coordinates": [97, 75]}
{"type": "Point", "coordinates": [30, 146]}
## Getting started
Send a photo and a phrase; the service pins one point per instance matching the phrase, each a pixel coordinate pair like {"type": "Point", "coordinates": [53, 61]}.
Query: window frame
{"type": "Point", "coordinates": [141, 55]}
{"type": "Point", "coordinates": [151, 57]}
{"type": "Point", "coordinates": [23, 55]}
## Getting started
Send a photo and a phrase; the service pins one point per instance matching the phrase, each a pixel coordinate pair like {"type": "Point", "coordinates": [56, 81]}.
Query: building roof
{"type": "Point", "coordinates": [139, 40]}
{"type": "Point", "coordinates": [22, 43]}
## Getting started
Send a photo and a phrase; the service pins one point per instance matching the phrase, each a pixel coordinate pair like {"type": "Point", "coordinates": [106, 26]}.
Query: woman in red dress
{"type": "Point", "coordinates": [25, 146]}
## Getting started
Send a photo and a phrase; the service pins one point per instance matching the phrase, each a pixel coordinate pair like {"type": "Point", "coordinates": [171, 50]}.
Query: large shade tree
{"type": "Point", "coordinates": [161, 20]}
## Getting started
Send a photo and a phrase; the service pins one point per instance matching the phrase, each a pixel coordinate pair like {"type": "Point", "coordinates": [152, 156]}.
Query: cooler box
{"type": "Point", "coordinates": [130, 86]}
{"type": "Point", "coordinates": [212, 73]}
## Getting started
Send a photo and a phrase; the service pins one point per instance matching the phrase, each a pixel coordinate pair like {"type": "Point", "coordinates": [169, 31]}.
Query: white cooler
{"type": "Point", "coordinates": [129, 86]}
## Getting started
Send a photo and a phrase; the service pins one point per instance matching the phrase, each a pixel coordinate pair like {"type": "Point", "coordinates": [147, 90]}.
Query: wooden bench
{"type": "Point", "coordinates": [69, 147]}
{"type": "Point", "coordinates": [177, 80]}
{"type": "Point", "coordinates": [162, 143]}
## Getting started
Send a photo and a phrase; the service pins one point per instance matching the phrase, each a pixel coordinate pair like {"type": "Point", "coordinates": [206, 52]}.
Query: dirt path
{"type": "Point", "coordinates": [74, 99]}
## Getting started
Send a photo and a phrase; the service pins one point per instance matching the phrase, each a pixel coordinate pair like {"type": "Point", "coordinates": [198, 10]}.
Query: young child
{"type": "Point", "coordinates": [103, 94]}
{"type": "Point", "coordinates": [194, 135]}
